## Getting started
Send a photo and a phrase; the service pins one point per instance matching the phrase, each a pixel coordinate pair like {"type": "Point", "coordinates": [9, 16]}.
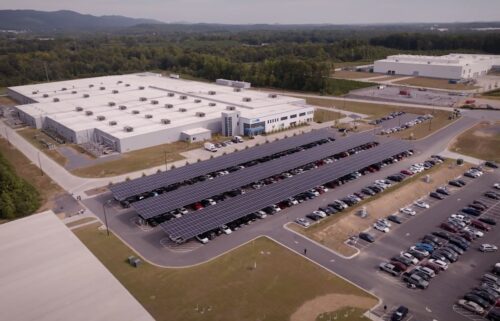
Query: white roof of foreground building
{"type": "Point", "coordinates": [47, 274]}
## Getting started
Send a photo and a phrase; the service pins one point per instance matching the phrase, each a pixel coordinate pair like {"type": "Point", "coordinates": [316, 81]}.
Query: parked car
{"type": "Point", "coordinates": [389, 268]}
{"type": "Point", "coordinates": [492, 195]}
{"type": "Point", "coordinates": [381, 227]}
{"type": "Point", "coordinates": [408, 211]}
{"type": "Point", "coordinates": [303, 222]}
{"type": "Point", "coordinates": [488, 248]}
{"type": "Point", "coordinates": [421, 204]}
{"type": "Point", "coordinates": [436, 195]}
{"type": "Point", "coordinates": [395, 219]}
{"type": "Point", "coordinates": [477, 299]}
{"type": "Point", "coordinates": [471, 306]}
{"type": "Point", "coordinates": [366, 237]}
{"type": "Point", "coordinates": [400, 313]}
{"type": "Point", "coordinates": [487, 220]}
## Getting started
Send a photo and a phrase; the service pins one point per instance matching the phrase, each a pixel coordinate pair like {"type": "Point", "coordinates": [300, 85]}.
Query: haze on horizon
{"type": "Point", "coordinates": [279, 11]}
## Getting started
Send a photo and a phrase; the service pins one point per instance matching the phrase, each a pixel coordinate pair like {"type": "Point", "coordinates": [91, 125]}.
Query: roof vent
{"type": "Point", "coordinates": [197, 101]}
{"type": "Point", "coordinates": [211, 93]}
{"type": "Point", "coordinates": [102, 88]}
{"type": "Point", "coordinates": [237, 90]}
{"type": "Point", "coordinates": [119, 82]}
{"type": "Point", "coordinates": [141, 87]}
{"type": "Point", "coordinates": [34, 92]}
{"type": "Point", "coordinates": [154, 102]}
{"type": "Point", "coordinates": [111, 103]}
{"type": "Point", "coordinates": [128, 129]}
{"type": "Point", "coordinates": [74, 92]}
{"type": "Point", "coordinates": [115, 91]}
{"type": "Point", "coordinates": [148, 116]}
{"type": "Point", "coordinates": [122, 107]}
{"type": "Point", "coordinates": [64, 89]}
{"type": "Point", "coordinates": [45, 95]}
{"type": "Point", "coordinates": [182, 110]}
{"type": "Point", "coordinates": [165, 121]}
{"type": "Point", "coordinates": [90, 86]}
{"type": "Point", "coordinates": [135, 112]}
{"type": "Point", "coordinates": [170, 94]}
{"type": "Point", "coordinates": [231, 108]}
{"type": "Point", "coordinates": [86, 95]}
{"type": "Point", "coordinates": [89, 113]}
{"type": "Point", "coordinates": [127, 85]}
{"type": "Point", "coordinates": [143, 99]}
{"type": "Point", "coordinates": [247, 99]}
{"type": "Point", "coordinates": [212, 104]}
{"type": "Point", "coordinates": [101, 118]}
{"type": "Point", "coordinates": [169, 106]}
{"type": "Point", "coordinates": [79, 108]}
{"type": "Point", "coordinates": [55, 99]}
{"type": "Point", "coordinates": [183, 97]}
{"type": "Point", "coordinates": [200, 114]}
{"type": "Point", "coordinates": [273, 96]}
{"type": "Point", "coordinates": [112, 123]}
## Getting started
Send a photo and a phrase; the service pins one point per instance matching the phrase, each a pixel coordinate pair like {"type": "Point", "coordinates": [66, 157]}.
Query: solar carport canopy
{"type": "Point", "coordinates": [192, 224]}
{"type": "Point", "coordinates": [122, 191]}
{"type": "Point", "coordinates": [154, 206]}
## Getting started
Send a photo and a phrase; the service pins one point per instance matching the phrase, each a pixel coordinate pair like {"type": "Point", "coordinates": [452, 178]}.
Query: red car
{"type": "Point", "coordinates": [434, 267]}
{"type": "Point", "coordinates": [479, 225]}
{"type": "Point", "coordinates": [467, 236]}
{"type": "Point", "coordinates": [406, 172]}
{"type": "Point", "coordinates": [399, 265]}
{"type": "Point", "coordinates": [448, 227]}
{"type": "Point", "coordinates": [198, 206]}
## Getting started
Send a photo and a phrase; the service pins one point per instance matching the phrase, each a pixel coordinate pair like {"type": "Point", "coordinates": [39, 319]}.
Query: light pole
{"type": "Point", "coordinates": [105, 215]}
{"type": "Point", "coordinates": [40, 164]}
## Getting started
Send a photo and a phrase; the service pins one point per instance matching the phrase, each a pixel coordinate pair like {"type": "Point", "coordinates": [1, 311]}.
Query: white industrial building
{"type": "Point", "coordinates": [135, 111]}
{"type": "Point", "coordinates": [452, 66]}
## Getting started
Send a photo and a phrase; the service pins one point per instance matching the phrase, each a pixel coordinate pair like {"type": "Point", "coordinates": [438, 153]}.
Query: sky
{"type": "Point", "coordinates": [278, 11]}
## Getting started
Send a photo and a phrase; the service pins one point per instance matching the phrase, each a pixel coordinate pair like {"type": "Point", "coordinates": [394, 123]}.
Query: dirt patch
{"type": "Point", "coordinates": [481, 141]}
{"type": "Point", "coordinates": [330, 302]}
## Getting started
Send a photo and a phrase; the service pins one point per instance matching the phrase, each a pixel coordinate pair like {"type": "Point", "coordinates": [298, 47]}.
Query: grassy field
{"type": "Point", "coordinates": [260, 280]}
{"type": "Point", "coordinates": [482, 141]}
{"type": "Point", "coordinates": [344, 314]}
{"type": "Point", "coordinates": [81, 221]}
{"type": "Point", "coordinates": [377, 110]}
{"type": "Point", "coordinates": [434, 83]}
{"type": "Point", "coordinates": [322, 115]}
{"type": "Point", "coordinates": [29, 134]}
{"type": "Point", "coordinates": [47, 188]}
{"type": "Point", "coordinates": [335, 230]}
{"type": "Point", "coordinates": [494, 94]}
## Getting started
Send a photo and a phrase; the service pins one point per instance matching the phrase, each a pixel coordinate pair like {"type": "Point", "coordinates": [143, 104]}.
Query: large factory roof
{"type": "Point", "coordinates": [448, 60]}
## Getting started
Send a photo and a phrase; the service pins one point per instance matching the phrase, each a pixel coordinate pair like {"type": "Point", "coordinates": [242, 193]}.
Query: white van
{"type": "Point", "coordinates": [210, 147]}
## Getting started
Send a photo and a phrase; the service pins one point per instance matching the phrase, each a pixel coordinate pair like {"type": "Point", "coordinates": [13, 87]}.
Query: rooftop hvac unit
{"type": "Point", "coordinates": [128, 129]}
{"type": "Point", "coordinates": [200, 114]}
{"type": "Point", "coordinates": [182, 110]}
{"type": "Point", "coordinates": [34, 92]}
{"type": "Point", "coordinates": [141, 87]}
{"type": "Point", "coordinates": [45, 95]}
{"type": "Point", "coordinates": [231, 108]}
{"type": "Point", "coordinates": [90, 86]}
{"type": "Point", "coordinates": [135, 112]}
{"type": "Point", "coordinates": [154, 102]}
{"type": "Point", "coordinates": [64, 89]}
{"type": "Point", "coordinates": [111, 103]}
{"type": "Point", "coordinates": [102, 88]}
{"type": "Point", "coordinates": [174, 76]}
{"type": "Point", "coordinates": [197, 100]}
{"type": "Point", "coordinates": [247, 99]}
{"type": "Point", "coordinates": [170, 94]}
{"type": "Point", "coordinates": [74, 92]}
{"type": "Point", "coordinates": [122, 107]}
{"type": "Point", "coordinates": [79, 108]}
{"type": "Point", "coordinates": [211, 92]}
{"type": "Point", "coordinates": [89, 113]}
{"type": "Point", "coordinates": [86, 95]}
{"type": "Point", "coordinates": [112, 123]}
{"type": "Point", "coordinates": [148, 116]}
{"type": "Point", "coordinates": [165, 121]}
{"type": "Point", "coordinates": [115, 91]}
{"type": "Point", "coordinates": [212, 104]}
{"type": "Point", "coordinates": [143, 99]}
{"type": "Point", "coordinates": [127, 85]}
{"type": "Point", "coordinates": [119, 82]}
{"type": "Point", "coordinates": [169, 106]}
{"type": "Point", "coordinates": [273, 95]}
{"type": "Point", "coordinates": [55, 99]}
{"type": "Point", "coordinates": [237, 90]}
{"type": "Point", "coordinates": [101, 118]}
{"type": "Point", "coordinates": [183, 97]}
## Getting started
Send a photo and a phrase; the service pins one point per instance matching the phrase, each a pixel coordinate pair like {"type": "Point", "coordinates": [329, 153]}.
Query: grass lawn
{"type": "Point", "coordinates": [29, 134]}
{"type": "Point", "coordinates": [344, 314]}
{"type": "Point", "coordinates": [434, 83]}
{"type": "Point", "coordinates": [377, 110]}
{"type": "Point", "coordinates": [494, 94]}
{"type": "Point", "coordinates": [81, 221]}
{"type": "Point", "coordinates": [260, 280]}
{"type": "Point", "coordinates": [47, 188]}
{"type": "Point", "coordinates": [322, 115]}
{"type": "Point", "coordinates": [482, 141]}
{"type": "Point", "coordinates": [335, 230]}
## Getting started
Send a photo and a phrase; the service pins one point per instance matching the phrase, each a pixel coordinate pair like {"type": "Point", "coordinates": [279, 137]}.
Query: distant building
{"type": "Point", "coordinates": [452, 66]}
{"type": "Point", "coordinates": [130, 112]}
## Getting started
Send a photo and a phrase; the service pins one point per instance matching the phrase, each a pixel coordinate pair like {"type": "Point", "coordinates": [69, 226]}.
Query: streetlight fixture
{"type": "Point", "coordinates": [105, 215]}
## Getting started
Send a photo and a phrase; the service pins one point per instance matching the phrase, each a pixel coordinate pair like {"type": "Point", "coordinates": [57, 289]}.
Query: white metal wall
{"type": "Point", "coordinates": [423, 70]}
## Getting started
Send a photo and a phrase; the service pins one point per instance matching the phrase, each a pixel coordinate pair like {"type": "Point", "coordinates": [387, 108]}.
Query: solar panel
{"type": "Point", "coordinates": [212, 217]}
{"type": "Point", "coordinates": [124, 190]}
{"type": "Point", "coordinates": [154, 206]}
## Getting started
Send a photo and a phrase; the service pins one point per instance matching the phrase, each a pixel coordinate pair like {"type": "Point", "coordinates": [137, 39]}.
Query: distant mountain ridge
{"type": "Point", "coordinates": [64, 20]}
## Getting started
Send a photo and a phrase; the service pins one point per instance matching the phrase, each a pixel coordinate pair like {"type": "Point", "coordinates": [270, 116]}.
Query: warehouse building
{"type": "Point", "coordinates": [452, 66]}
{"type": "Point", "coordinates": [130, 112]}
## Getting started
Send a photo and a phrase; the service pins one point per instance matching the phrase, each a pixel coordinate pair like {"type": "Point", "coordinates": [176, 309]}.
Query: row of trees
{"type": "Point", "coordinates": [17, 197]}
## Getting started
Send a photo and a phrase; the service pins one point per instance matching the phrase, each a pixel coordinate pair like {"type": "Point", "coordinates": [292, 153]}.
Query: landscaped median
{"type": "Point", "coordinates": [260, 280]}
{"type": "Point", "coordinates": [334, 230]}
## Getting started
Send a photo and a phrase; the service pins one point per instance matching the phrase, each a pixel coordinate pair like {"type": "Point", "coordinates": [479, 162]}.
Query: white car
{"type": "Point", "coordinates": [422, 252]}
{"type": "Point", "coordinates": [421, 204]}
{"type": "Point", "coordinates": [408, 211]}
{"type": "Point", "coordinates": [260, 214]}
{"type": "Point", "coordinates": [202, 239]}
{"type": "Point", "coordinates": [313, 191]}
{"type": "Point", "coordinates": [471, 306]}
{"type": "Point", "coordinates": [276, 207]}
{"type": "Point", "coordinates": [496, 185]}
{"type": "Point", "coordinates": [407, 255]}
{"type": "Point", "coordinates": [303, 222]}
{"type": "Point", "coordinates": [293, 201]}
{"type": "Point", "coordinates": [320, 213]}
{"type": "Point", "coordinates": [442, 265]}
{"type": "Point", "coordinates": [385, 222]}
{"type": "Point", "coordinates": [225, 229]}
{"type": "Point", "coordinates": [488, 248]}
{"type": "Point", "coordinates": [381, 227]}
{"type": "Point", "coordinates": [475, 232]}
{"type": "Point", "coordinates": [461, 217]}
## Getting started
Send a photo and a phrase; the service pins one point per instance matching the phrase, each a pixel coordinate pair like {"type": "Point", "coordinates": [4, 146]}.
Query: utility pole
{"type": "Point", "coordinates": [40, 164]}
{"type": "Point", "coordinates": [106, 216]}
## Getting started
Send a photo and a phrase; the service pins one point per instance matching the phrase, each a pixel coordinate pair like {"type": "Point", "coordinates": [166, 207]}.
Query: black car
{"type": "Point", "coordinates": [367, 237]}
{"type": "Point", "coordinates": [399, 314]}
{"type": "Point", "coordinates": [477, 299]}
{"type": "Point", "coordinates": [368, 191]}
{"type": "Point", "coordinates": [433, 239]}
{"type": "Point", "coordinates": [471, 211]}
{"type": "Point", "coordinates": [395, 219]}
{"type": "Point", "coordinates": [454, 248]}
{"type": "Point", "coordinates": [395, 178]}
{"type": "Point", "coordinates": [442, 234]}
{"type": "Point", "coordinates": [448, 254]}
{"type": "Point", "coordinates": [313, 217]}
{"type": "Point", "coordinates": [443, 191]}
{"type": "Point", "coordinates": [436, 196]}
{"type": "Point", "coordinates": [491, 164]}
{"type": "Point", "coordinates": [492, 195]}
{"type": "Point", "coordinates": [488, 220]}
{"type": "Point", "coordinates": [494, 315]}
{"type": "Point", "coordinates": [477, 207]}
{"type": "Point", "coordinates": [455, 183]}
{"type": "Point", "coordinates": [461, 182]}
{"type": "Point", "coordinates": [416, 254]}
{"type": "Point", "coordinates": [485, 296]}
{"type": "Point", "coordinates": [480, 203]}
